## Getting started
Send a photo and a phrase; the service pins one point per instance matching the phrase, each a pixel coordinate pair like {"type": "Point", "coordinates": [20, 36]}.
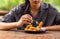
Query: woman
{"type": "Point", "coordinates": [30, 12]}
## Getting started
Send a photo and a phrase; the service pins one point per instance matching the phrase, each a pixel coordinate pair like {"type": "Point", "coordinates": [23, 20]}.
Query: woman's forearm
{"type": "Point", "coordinates": [6, 26]}
{"type": "Point", "coordinates": [52, 28]}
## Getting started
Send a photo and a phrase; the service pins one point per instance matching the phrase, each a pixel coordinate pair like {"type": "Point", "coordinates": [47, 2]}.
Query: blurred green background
{"type": "Point", "coordinates": [8, 4]}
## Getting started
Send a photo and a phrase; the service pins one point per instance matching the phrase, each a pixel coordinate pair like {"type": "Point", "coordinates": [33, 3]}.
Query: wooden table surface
{"type": "Point", "coordinates": [24, 35]}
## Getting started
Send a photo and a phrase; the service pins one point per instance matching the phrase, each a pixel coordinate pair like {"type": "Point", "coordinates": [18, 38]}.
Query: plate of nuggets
{"type": "Point", "coordinates": [31, 29]}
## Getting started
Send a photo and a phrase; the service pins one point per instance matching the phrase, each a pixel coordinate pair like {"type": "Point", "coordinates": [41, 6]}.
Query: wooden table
{"type": "Point", "coordinates": [24, 35]}
{"type": "Point", "coordinates": [3, 12]}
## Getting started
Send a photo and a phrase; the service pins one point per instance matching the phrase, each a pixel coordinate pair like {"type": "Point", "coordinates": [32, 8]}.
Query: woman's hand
{"type": "Point", "coordinates": [25, 19]}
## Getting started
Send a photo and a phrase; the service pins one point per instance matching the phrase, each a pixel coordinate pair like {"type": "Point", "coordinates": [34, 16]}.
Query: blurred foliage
{"type": "Point", "coordinates": [8, 4]}
{"type": "Point", "coordinates": [55, 3]}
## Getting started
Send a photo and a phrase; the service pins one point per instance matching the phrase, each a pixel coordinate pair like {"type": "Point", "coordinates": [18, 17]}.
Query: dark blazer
{"type": "Point", "coordinates": [48, 14]}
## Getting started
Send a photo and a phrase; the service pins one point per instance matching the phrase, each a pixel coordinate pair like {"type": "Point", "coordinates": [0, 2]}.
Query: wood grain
{"type": "Point", "coordinates": [23, 35]}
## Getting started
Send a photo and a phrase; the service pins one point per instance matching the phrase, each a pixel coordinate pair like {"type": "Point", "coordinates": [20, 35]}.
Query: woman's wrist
{"type": "Point", "coordinates": [18, 24]}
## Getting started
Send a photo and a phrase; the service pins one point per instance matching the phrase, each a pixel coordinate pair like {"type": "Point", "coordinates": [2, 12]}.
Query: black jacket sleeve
{"type": "Point", "coordinates": [12, 16]}
{"type": "Point", "coordinates": [57, 19]}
